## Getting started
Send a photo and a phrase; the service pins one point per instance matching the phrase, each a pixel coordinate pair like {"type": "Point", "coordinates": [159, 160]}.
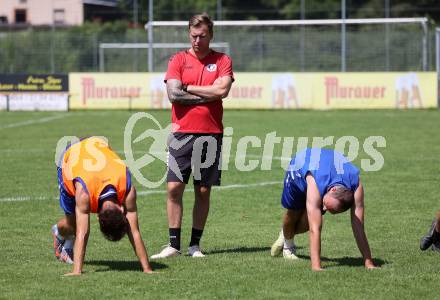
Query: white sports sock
{"type": "Point", "coordinates": [55, 231]}
{"type": "Point", "coordinates": [288, 243]}
{"type": "Point", "coordinates": [281, 234]}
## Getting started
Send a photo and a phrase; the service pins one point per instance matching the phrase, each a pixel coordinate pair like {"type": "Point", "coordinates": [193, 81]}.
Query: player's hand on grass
{"type": "Point", "coordinates": [72, 274]}
{"type": "Point", "coordinates": [318, 269]}
{"type": "Point", "coordinates": [369, 264]}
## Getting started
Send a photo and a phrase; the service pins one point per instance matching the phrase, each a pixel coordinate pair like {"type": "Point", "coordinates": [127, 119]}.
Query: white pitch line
{"type": "Point", "coordinates": [34, 121]}
{"type": "Point", "coordinates": [51, 118]}
{"type": "Point", "coordinates": [263, 157]}
{"type": "Point", "coordinates": [151, 192]}
{"type": "Point", "coordinates": [225, 187]}
{"type": "Point", "coordinates": [18, 151]}
{"type": "Point", "coordinates": [23, 198]}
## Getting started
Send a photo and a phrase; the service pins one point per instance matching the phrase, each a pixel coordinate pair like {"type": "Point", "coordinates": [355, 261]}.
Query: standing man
{"type": "Point", "coordinates": [197, 80]}
{"type": "Point", "coordinates": [93, 179]}
{"type": "Point", "coordinates": [320, 180]}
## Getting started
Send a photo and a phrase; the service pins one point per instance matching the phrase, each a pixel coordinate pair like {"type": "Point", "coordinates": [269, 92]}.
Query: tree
{"type": "Point", "coordinates": [280, 9]}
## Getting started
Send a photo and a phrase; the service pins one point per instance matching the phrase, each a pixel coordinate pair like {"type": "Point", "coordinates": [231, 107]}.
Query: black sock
{"type": "Point", "coordinates": [174, 238]}
{"type": "Point", "coordinates": [196, 235]}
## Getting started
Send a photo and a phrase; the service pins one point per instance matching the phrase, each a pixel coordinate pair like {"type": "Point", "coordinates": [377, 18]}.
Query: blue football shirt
{"type": "Point", "coordinates": [328, 167]}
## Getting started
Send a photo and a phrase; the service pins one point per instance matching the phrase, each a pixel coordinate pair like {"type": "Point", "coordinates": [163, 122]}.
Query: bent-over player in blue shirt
{"type": "Point", "coordinates": [320, 180]}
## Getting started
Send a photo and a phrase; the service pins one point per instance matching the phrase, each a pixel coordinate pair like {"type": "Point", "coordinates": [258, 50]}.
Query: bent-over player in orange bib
{"type": "Point", "coordinates": [93, 179]}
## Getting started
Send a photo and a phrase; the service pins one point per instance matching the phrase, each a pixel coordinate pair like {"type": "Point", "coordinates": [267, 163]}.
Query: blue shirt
{"type": "Point", "coordinates": [328, 167]}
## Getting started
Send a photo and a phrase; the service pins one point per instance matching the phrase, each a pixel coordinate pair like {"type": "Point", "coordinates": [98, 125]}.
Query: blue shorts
{"type": "Point", "coordinates": [67, 202]}
{"type": "Point", "coordinates": [294, 194]}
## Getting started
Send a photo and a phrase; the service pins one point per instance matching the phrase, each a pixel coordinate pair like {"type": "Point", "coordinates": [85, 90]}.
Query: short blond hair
{"type": "Point", "coordinates": [200, 19]}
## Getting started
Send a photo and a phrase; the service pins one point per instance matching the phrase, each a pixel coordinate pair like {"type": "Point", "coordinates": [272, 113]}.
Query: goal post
{"type": "Point", "coordinates": [437, 61]}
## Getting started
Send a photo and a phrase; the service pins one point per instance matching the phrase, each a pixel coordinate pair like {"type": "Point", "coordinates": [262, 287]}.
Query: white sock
{"type": "Point", "coordinates": [288, 243]}
{"type": "Point", "coordinates": [55, 231]}
{"type": "Point", "coordinates": [281, 235]}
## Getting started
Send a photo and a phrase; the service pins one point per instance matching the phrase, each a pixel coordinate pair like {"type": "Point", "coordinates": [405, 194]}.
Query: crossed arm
{"type": "Point", "coordinates": [198, 94]}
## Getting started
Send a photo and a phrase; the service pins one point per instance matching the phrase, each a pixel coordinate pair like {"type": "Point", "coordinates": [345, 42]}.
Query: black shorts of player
{"type": "Point", "coordinates": [199, 153]}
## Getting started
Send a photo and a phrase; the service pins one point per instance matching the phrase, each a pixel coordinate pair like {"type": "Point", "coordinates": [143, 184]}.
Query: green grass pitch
{"type": "Point", "coordinates": [244, 220]}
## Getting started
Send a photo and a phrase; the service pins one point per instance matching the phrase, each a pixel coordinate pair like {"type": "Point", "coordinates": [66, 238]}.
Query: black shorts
{"type": "Point", "coordinates": [199, 153]}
